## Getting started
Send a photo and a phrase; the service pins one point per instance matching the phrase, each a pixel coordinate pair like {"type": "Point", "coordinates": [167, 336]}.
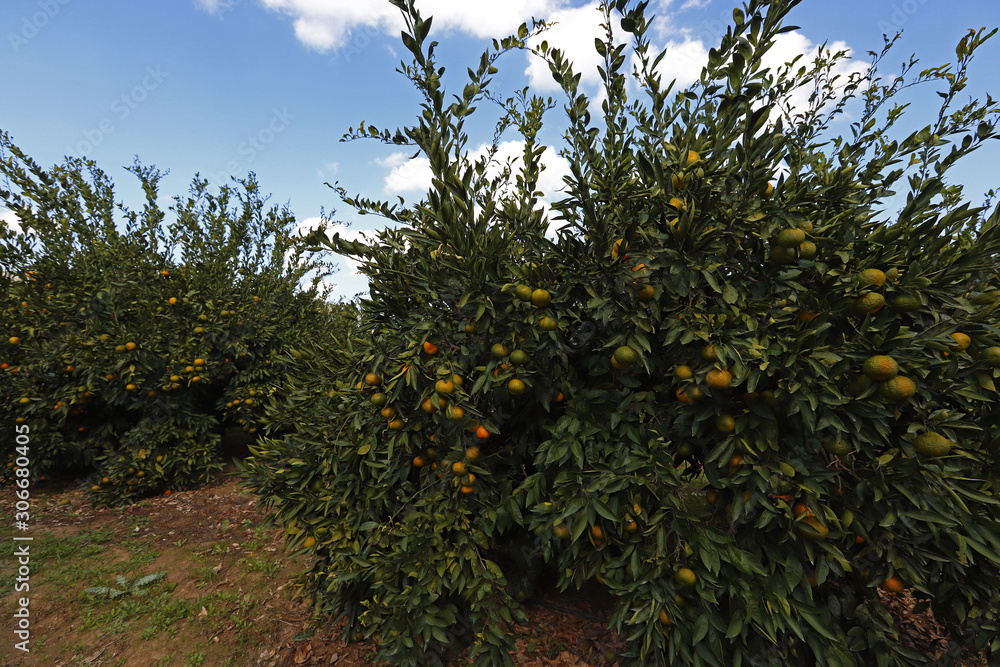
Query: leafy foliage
{"type": "Point", "coordinates": [136, 589]}
{"type": "Point", "coordinates": [140, 341]}
{"type": "Point", "coordinates": [671, 393]}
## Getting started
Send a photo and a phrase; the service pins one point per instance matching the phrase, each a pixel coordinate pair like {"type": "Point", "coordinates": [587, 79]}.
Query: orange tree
{"type": "Point", "coordinates": [732, 386]}
{"type": "Point", "coordinates": [134, 343]}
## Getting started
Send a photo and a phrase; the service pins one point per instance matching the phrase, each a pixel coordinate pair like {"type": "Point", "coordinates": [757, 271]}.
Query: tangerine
{"type": "Point", "coordinates": [719, 379]}
{"type": "Point", "coordinates": [880, 367]}
{"type": "Point", "coordinates": [962, 342]}
{"type": "Point", "coordinates": [893, 584]}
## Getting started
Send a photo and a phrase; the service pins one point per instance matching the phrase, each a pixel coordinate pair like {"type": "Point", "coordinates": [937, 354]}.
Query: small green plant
{"type": "Point", "coordinates": [136, 589]}
{"type": "Point", "coordinates": [195, 659]}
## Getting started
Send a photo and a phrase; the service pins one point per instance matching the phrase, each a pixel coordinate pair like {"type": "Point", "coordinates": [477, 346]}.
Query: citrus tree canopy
{"type": "Point", "coordinates": [732, 385]}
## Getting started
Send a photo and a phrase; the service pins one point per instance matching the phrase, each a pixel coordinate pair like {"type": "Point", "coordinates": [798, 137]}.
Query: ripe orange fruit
{"type": "Point", "coordinates": [130, 387]}
{"type": "Point", "coordinates": [459, 468]}
{"type": "Point", "coordinates": [631, 526]}
{"type": "Point", "coordinates": [561, 531]}
{"type": "Point", "coordinates": [130, 346]}
{"type": "Point", "coordinates": [372, 380]}
{"type": "Point", "coordinates": [880, 367]}
{"type": "Point", "coordinates": [419, 461]}
{"type": "Point", "coordinates": [893, 585]}
{"type": "Point", "coordinates": [691, 158]}
{"type": "Point", "coordinates": [559, 398]}
{"type": "Point", "coordinates": [199, 362]}
{"type": "Point", "coordinates": [541, 298]}
{"type": "Point", "coordinates": [14, 340]}
{"type": "Point", "coordinates": [547, 324]}
{"type": "Point", "coordinates": [196, 379]}
{"type": "Point", "coordinates": [516, 386]}
{"type": "Point", "coordinates": [677, 180]}
{"type": "Point", "coordinates": [708, 353]}
{"type": "Point", "coordinates": [618, 248]}
{"type": "Point", "coordinates": [683, 396]}
{"type": "Point", "coordinates": [481, 432]}
{"type": "Point", "coordinates": [119, 348]}
{"type": "Point", "coordinates": [646, 293]}
{"type": "Point", "coordinates": [683, 373]}
{"type": "Point", "coordinates": [962, 342]}
{"type": "Point", "coordinates": [678, 203]}
{"type": "Point", "coordinates": [597, 534]}
{"type": "Point", "coordinates": [719, 379]}
{"type": "Point", "coordinates": [199, 330]}
{"type": "Point", "coordinates": [664, 619]}
{"type": "Point", "coordinates": [798, 509]}
{"type": "Point", "coordinates": [444, 387]}
{"type": "Point", "coordinates": [711, 497]}
{"type": "Point", "coordinates": [872, 302]}
{"type": "Point", "coordinates": [430, 348]}
{"type": "Point", "coordinates": [396, 424]}
{"type": "Point", "coordinates": [388, 412]}
{"type": "Point", "coordinates": [309, 542]}
{"type": "Point", "coordinates": [428, 405]}
{"type": "Point", "coordinates": [685, 576]}
{"type": "Point", "coordinates": [807, 250]}
{"type": "Point", "coordinates": [807, 316]}
{"type": "Point", "coordinates": [769, 190]}
{"type": "Point", "coordinates": [871, 278]}
{"type": "Point", "coordinates": [932, 444]}
{"type": "Point", "coordinates": [736, 461]}
{"type": "Point", "coordinates": [897, 388]}
{"type": "Point", "coordinates": [471, 328]}
{"type": "Point", "coordinates": [454, 413]}
{"type": "Point", "coordinates": [472, 453]}
{"type": "Point", "coordinates": [467, 488]}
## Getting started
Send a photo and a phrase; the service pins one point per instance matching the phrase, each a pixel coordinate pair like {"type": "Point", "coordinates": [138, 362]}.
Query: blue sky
{"type": "Point", "coordinates": [225, 87]}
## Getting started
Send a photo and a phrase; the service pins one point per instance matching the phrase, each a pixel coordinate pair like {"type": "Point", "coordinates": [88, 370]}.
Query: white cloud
{"type": "Point", "coordinates": [574, 34]}
{"type": "Point", "coordinates": [348, 280]}
{"type": "Point", "coordinates": [11, 221]}
{"type": "Point", "coordinates": [217, 8]}
{"type": "Point", "coordinates": [405, 175]}
{"type": "Point", "coordinates": [791, 44]}
{"type": "Point", "coordinates": [682, 63]}
{"type": "Point", "coordinates": [324, 25]}
{"type": "Point", "coordinates": [414, 175]}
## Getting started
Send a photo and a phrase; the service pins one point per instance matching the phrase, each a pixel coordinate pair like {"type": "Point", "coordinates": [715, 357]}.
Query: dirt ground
{"type": "Point", "coordinates": [228, 594]}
